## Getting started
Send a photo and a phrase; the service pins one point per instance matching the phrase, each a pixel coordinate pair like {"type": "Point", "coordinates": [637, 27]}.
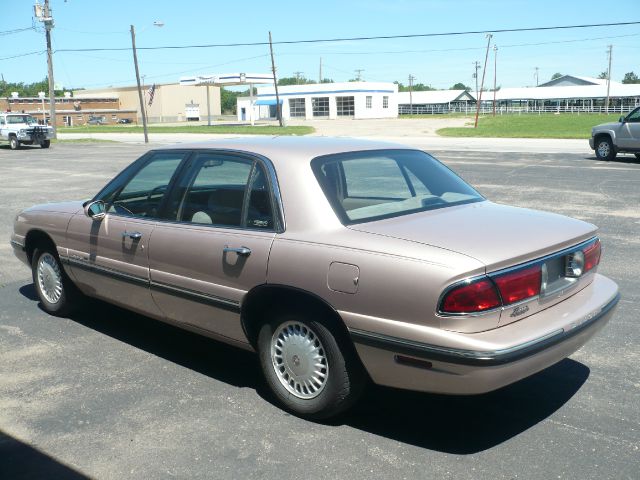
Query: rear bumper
{"type": "Point", "coordinates": [449, 363]}
{"type": "Point", "coordinates": [592, 143]}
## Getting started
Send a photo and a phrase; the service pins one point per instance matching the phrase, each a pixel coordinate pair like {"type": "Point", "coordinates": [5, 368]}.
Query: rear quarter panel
{"type": "Point", "coordinates": [397, 280]}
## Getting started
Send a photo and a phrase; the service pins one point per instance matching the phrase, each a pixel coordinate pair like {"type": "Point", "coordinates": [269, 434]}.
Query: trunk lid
{"type": "Point", "coordinates": [497, 235]}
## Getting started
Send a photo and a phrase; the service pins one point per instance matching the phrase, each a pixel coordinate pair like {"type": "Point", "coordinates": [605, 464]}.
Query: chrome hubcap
{"type": "Point", "coordinates": [299, 360]}
{"type": "Point", "coordinates": [49, 278]}
{"type": "Point", "coordinates": [603, 149]}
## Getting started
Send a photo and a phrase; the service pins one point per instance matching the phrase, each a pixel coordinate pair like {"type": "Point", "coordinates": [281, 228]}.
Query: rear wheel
{"type": "Point", "coordinates": [605, 149]}
{"type": "Point", "coordinates": [55, 291]}
{"type": "Point", "coordinates": [45, 143]}
{"type": "Point", "coordinates": [14, 144]}
{"type": "Point", "coordinates": [310, 368]}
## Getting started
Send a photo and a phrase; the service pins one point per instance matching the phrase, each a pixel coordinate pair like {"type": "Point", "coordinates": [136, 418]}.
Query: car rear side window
{"type": "Point", "coordinates": [377, 184]}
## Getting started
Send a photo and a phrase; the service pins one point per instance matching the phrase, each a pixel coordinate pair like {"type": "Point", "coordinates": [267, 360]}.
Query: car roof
{"type": "Point", "coordinates": [283, 147]}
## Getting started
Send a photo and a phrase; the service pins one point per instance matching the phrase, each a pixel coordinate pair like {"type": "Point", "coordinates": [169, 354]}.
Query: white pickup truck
{"type": "Point", "coordinates": [623, 136]}
{"type": "Point", "coordinates": [21, 128]}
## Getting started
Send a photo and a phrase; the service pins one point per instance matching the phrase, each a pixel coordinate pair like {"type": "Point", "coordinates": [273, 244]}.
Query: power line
{"type": "Point", "coordinates": [17, 30]}
{"type": "Point", "coordinates": [39, 52]}
{"type": "Point", "coordinates": [464, 49]}
{"type": "Point", "coordinates": [351, 39]}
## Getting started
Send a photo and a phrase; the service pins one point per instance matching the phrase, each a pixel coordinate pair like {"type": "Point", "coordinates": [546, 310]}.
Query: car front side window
{"type": "Point", "coordinates": [143, 193]}
{"type": "Point", "coordinates": [634, 117]}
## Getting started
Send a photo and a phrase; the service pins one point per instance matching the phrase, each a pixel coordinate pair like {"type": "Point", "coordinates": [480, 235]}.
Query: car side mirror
{"type": "Point", "coordinates": [621, 120]}
{"type": "Point", "coordinates": [95, 210]}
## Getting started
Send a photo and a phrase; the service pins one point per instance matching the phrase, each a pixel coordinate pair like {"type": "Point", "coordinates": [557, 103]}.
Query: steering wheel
{"type": "Point", "coordinates": [121, 208]}
{"type": "Point", "coordinates": [157, 189]}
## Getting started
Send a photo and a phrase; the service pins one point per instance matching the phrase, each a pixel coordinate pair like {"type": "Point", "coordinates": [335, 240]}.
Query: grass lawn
{"type": "Point", "coordinates": [222, 129]}
{"type": "Point", "coordinates": [531, 126]}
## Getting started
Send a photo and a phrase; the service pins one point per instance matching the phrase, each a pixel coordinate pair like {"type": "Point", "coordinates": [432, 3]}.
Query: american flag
{"type": "Point", "coordinates": [151, 92]}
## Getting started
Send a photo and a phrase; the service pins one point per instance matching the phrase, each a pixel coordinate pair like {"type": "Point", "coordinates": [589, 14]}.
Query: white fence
{"type": "Point", "coordinates": [502, 110]}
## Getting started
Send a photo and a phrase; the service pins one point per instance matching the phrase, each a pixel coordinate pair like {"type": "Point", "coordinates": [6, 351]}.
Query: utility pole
{"type": "Point", "coordinates": [536, 75]}
{"type": "Point", "coordinates": [411, 79]}
{"type": "Point", "coordinates": [606, 103]}
{"type": "Point", "coordinates": [43, 14]}
{"type": "Point", "coordinates": [484, 71]}
{"type": "Point", "coordinates": [359, 74]}
{"type": "Point", "coordinates": [320, 74]}
{"type": "Point", "coordinates": [275, 83]}
{"type": "Point", "coordinates": [495, 75]}
{"type": "Point", "coordinates": [476, 65]}
{"type": "Point", "coordinates": [135, 63]}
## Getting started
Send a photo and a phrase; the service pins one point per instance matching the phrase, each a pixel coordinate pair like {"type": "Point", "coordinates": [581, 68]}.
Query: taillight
{"type": "Point", "coordinates": [476, 296]}
{"type": "Point", "coordinates": [592, 255]}
{"type": "Point", "coordinates": [520, 284]}
{"type": "Point", "coordinates": [503, 289]}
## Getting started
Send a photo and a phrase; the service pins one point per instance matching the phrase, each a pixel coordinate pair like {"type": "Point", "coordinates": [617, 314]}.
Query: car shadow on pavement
{"type": "Point", "coordinates": [620, 158]}
{"type": "Point", "coordinates": [447, 423]}
{"type": "Point", "coordinates": [467, 424]}
{"type": "Point", "coordinates": [190, 350]}
{"type": "Point", "coordinates": [21, 461]}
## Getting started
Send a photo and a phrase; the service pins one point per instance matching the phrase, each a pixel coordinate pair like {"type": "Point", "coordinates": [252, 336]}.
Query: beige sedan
{"type": "Point", "coordinates": [338, 261]}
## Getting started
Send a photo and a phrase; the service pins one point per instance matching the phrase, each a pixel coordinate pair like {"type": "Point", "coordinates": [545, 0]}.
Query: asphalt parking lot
{"type": "Point", "coordinates": [110, 394]}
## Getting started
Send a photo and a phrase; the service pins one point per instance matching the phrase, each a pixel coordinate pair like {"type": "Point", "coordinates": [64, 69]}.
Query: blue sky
{"type": "Point", "coordinates": [437, 61]}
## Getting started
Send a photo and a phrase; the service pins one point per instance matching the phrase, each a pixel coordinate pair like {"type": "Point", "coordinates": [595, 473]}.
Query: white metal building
{"type": "Point", "coordinates": [356, 100]}
{"type": "Point", "coordinates": [567, 94]}
{"type": "Point", "coordinates": [435, 101]}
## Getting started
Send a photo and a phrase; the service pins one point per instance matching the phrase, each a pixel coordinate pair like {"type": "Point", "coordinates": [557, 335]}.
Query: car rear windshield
{"type": "Point", "coordinates": [377, 184]}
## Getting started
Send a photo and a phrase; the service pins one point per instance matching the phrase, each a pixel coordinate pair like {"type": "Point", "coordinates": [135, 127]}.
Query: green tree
{"type": "Point", "coordinates": [228, 99]}
{"type": "Point", "coordinates": [556, 75]}
{"type": "Point", "coordinates": [294, 81]}
{"type": "Point", "coordinates": [26, 89]}
{"type": "Point", "coordinates": [417, 87]}
{"type": "Point", "coordinates": [460, 86]}
{"type": "Point", "coordinates": [603, 75]}
{"type": "Point", "coordinates": [630, 77]}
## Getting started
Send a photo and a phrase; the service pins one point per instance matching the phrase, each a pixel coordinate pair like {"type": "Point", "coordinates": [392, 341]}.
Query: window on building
{"type": "Point", "coordinates": [296, 107]}
{"type": "Point", "coordinates": [385, 102]}
{"type": "Point", "coordinates": [369, 101]}
{"type": "Point", "coordinates": [320, 106]}
{"type": "Point", "coordinates": [345, 106]}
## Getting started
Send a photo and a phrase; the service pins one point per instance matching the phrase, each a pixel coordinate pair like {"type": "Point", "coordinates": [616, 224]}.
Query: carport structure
{"type": "Point", "coordinates": [229, 80]}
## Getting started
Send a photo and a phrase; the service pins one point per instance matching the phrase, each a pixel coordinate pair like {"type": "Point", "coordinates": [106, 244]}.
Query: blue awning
{"type": "Point", "coordinates": [267, 102]}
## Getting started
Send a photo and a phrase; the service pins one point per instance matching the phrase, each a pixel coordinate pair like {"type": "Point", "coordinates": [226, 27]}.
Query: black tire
{"type": "Point", "coordinates": [45, 143]}
{"type": "Point", "coordinates": [637, 155]}
{"type": "Point", "coordinates": [345, 377]}
{"type": "Point", "coordinates": [14, 144]}
{"type": "Point", "coordinates": [605, 150]}
{"type": "Point", "coordinates": [67, 299]}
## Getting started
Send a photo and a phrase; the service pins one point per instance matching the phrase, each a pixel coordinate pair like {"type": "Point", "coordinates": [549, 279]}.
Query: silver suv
{"type": "Point", "coordinates": [610, 138]}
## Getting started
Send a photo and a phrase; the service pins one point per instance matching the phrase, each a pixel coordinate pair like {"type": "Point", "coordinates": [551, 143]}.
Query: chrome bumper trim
{"type": "Point", "coordinates": [474, 357]}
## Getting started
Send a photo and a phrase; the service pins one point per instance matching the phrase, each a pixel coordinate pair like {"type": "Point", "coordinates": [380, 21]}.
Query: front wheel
{"type": "Point", "coordinates": [45, 143]}
{"type": "Point", "coordinates": [310, 369]}
{"type": "Point", "coordinates": [605, 149]}
{"type": "Point", "coordinates": [54, 289]}
{"type": "Point", "coordinates": [14, 144]}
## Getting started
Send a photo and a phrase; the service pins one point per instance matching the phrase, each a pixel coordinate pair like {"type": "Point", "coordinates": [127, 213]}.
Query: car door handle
{"type": "Point", "coordinates": [242, 251]}
{"type": "Point", "coordinates": [132, 235]}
